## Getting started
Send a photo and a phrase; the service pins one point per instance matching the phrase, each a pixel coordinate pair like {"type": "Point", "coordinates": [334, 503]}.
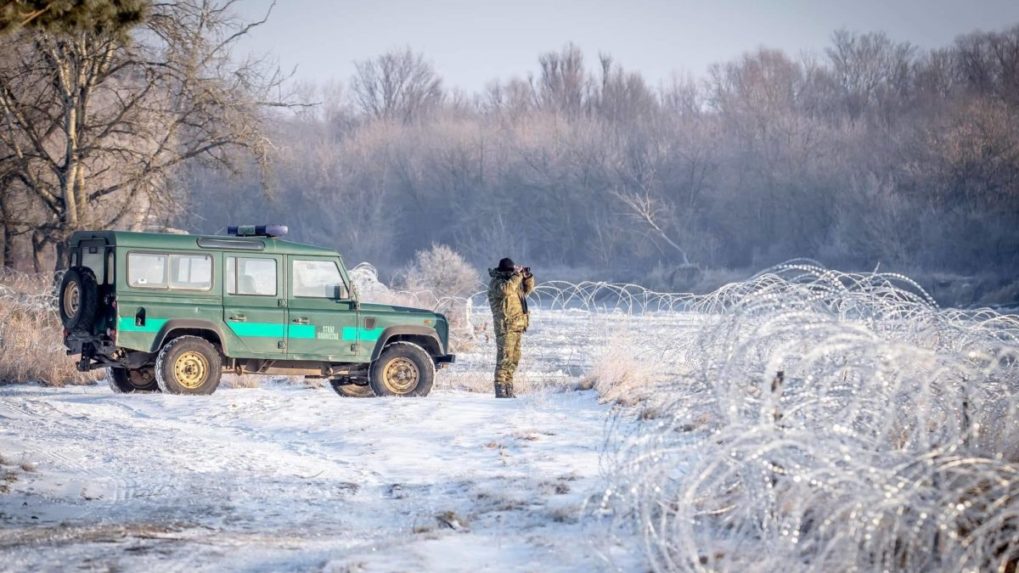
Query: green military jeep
{"type": "Point", "coordinates": [166, 312]}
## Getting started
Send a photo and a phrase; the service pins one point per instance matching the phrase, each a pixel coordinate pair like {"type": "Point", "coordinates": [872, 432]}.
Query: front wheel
{"type": "Point", "coordinates": [403, 369]}
{"type": "Point", "coordinates": [188, 365]}
{"type": "Point", "coordinates": [124, 381]}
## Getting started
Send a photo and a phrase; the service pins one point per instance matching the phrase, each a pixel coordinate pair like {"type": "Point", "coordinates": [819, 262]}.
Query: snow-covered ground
{"type": "Point", "coordinates": [289, 477]}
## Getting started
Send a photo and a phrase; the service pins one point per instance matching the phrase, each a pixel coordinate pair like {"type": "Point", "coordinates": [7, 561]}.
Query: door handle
{"type": "Point", "coordinates": [238, 318]}
{"type": "Point", "coordinates": [301, 320]}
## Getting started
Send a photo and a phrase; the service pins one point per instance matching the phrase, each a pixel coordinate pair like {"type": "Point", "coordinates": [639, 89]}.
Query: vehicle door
{"type": "Point", "coordinates": [254, 304]}
{"type": "Point", "coordinates": [322, 313]}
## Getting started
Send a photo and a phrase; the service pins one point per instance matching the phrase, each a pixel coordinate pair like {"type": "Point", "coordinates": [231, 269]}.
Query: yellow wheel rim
{"type": "Point", "coordinates": [72, 298]}
{"type": "Point", "coordinates": [191, 369]}
{"type": "Point", "coordinates": [401, 375]}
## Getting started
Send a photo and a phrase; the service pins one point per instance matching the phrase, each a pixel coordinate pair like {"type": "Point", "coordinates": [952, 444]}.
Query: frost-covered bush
{"type": "Point", "coordinates": [31, 347]}
{"type": "Point", "coordinates": [457, 308]}
{"type": "Point", "coordinates": [828, 422]}
{"type": "Point", "coordinates": [443, 272]}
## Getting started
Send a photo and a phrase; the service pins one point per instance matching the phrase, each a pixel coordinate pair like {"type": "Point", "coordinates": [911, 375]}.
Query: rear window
{"type": "Point", "coordinates": [172, 271]}
{"type": "Point", "coordinates": [146, 270]}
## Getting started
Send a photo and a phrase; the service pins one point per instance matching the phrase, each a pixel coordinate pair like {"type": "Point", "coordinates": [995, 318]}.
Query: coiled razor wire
{"type": "Point", "coordinates": [827, 421]}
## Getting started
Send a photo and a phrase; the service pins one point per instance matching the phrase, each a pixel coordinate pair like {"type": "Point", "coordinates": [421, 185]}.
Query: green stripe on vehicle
{"type": "Point", "coordinates": [127, 324]}
{"type": "Point", "coordinates": [257, 329]}
{"type": "Point", "coordinates": [260, 329]}
{"type": "Point", "coordinates": [295, 331]}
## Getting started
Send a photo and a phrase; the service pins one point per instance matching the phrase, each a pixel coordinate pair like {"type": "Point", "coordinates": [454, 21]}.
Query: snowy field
{"type": "Point", "coordinates": [287, 477]}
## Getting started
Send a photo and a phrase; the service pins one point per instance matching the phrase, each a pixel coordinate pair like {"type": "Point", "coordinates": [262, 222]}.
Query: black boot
{"type": "Point", "coordinates": [508, 390]}
{"type": "Point", "coordinates": [500, 390]}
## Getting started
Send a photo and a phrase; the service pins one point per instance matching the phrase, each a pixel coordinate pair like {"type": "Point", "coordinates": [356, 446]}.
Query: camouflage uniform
{"type": "Point", "coordinates": [507, 294]}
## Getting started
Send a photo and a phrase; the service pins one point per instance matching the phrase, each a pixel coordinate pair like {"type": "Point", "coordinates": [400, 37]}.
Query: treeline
{"type": "Point", "coordinates": [874, 153]}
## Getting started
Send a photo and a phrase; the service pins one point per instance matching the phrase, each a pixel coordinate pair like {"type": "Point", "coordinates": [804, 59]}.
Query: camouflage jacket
{"type": "Point", "coordinates": [507, 295]}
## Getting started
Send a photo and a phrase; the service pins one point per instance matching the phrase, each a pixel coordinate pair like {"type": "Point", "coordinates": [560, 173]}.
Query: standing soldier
{"type": "Point", "coordinates": [507, 295]}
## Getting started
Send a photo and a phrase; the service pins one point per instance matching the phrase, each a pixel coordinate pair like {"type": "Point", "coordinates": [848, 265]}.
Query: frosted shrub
{"type": "Point", "coordinates": [457, 308]}
{"type": "Point", "coordinates": [443, 272]}
{"type": "Point", "coordinates": [829, 421]}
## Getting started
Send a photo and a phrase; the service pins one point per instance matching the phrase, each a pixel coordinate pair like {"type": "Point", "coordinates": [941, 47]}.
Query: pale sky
{"type": "Point", "coordinates": [471, 42]}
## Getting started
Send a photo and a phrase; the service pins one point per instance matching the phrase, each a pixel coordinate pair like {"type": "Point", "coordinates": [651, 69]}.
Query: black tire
{"type": "Point", "coordinates": [348, 390]}
{"type": "Point", "coordinates": [124, 381]}
{"type": "Point", "coordinates": [189, 365]}
{"type": "Point", "coordinates": [403, 369]}
{"type": "Point", "coordinates": [78, 300]}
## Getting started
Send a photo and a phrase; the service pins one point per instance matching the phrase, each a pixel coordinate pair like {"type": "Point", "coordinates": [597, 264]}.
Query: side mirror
{"type": "Point", "coordinates": [342, 293]}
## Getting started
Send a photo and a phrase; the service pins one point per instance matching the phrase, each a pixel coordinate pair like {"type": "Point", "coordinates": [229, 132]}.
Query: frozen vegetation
{"type": "Point", "coordinates": [804, 420]}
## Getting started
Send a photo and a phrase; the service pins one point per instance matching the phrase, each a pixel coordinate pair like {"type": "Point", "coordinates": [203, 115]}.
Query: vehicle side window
{"type": "Point", "coordinates": [146, 270]}
{"type": "Point", "coordinates": [250, 276]}
{"type": "Point", "coordinates": [318, 279]}
{"type": "Point", "coordinates": [191, 272]}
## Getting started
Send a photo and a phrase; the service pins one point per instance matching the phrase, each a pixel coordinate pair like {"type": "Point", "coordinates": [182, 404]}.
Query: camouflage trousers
{"type": "Point", "coordinates": [507, 356]}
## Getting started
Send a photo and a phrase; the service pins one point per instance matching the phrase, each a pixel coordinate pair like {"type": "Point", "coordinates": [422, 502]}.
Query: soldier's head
{"type": "Point", "coordinates": [506, 265]}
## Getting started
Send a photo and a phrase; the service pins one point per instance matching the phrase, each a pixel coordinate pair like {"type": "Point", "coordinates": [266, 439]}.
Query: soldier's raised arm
{"type": "Point", "coordinates": [528, 283]}
{"type": "Point", "coordinates": [514, 282]}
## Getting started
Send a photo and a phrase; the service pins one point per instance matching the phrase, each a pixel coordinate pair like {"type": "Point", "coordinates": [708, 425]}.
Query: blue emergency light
{"type": "Point", "coordinates": [257, 230]}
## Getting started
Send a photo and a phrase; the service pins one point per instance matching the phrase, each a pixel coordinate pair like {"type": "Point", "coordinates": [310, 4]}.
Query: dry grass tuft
{"type": "Point", "coordinates": [620, 376]}
{"type": "Point", "coordinates": [451, 520]}
{"type": "Point", "coordinates": [31, 345]}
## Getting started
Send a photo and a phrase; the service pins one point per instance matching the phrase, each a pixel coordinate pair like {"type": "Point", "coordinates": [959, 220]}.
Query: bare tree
{"type": "Point", "coordinates": [399, 85]}
{"type": "Point", "coordinates": [868, 68]}
{"type": "Point", "coordinates": [562, 84]}
{"type": "Point", "coordinates": [989, 63]}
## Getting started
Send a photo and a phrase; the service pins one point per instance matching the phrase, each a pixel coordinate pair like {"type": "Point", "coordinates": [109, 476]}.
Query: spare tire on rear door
{"type": "Point", "coordinates": [79, 299]}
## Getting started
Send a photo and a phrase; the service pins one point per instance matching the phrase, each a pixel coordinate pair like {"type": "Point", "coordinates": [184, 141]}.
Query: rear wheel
{"type": "Point", "coordinates": [124, 381]}
{"type": "Point", "coordinates": [403, 369]}
{"type": "Point", "coordinates": [188, 365]}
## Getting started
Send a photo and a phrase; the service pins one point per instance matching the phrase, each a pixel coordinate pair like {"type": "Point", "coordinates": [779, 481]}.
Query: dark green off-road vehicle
{"type": "Point", "coordinates": [170, 312]}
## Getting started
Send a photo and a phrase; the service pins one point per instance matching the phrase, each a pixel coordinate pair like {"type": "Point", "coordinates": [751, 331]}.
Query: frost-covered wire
{"type": "Point", "coordinates": [818, 421]}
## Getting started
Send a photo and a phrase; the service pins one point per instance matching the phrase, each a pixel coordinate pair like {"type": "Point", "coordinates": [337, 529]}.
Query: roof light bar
{"type": "Point", "coordinates": [257, 230]}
